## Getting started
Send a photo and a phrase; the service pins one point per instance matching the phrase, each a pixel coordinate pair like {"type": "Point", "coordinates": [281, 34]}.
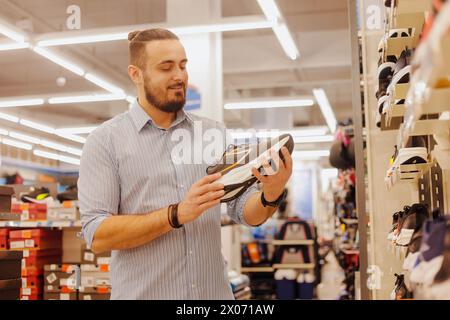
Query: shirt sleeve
{"type": "Point", "coordinates": [235, 208]}
{"type": "Point", "coordinates": [98, 184]}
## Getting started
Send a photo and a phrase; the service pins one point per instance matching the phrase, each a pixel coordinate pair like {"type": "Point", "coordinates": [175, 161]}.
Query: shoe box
{"type": "Point", "coordinates": [10, 282]}
{"type": "Point", "coordinates": [10, 289]}
{"type": "Point", "coordinates": [30, 211]}
{"type": "Point", "coordinates": [5, 199]}
{"type": "Point", "coordinates": [88, 257]}
{"type": "Point", "coordinates": [4, 235]}
{"type": "Point", "coordinates": [67, 210]}
{"type": "Point", "coordinates": [60, 282]}
{"type": "Point", "coordinates": [38, 239]}
{"type": "Point", "coordinates": [60, 296]}
{"type": "Point", "coordinates": [10, 264]}
{"type": "Point", "coordinates": [95, 275]}
{"type": "Point", "coordinates": [95, 293]}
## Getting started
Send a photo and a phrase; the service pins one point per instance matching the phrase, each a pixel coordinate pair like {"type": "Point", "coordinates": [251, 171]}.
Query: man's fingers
{"type": "Point", "coordinates": [258, 175]}
{"type": "Point", "coordinates": [208, 179]}
{"type": "Point", "coordinates": [210, 196]}
{"type": "Point", "coordinates": [287, 158]}
{"type": "Point", "coordinates": [208, 205]}
{"type": "Point", "coordinates": [201, 190]}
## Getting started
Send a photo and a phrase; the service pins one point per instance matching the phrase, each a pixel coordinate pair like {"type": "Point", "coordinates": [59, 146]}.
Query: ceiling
{"type": "Point", "coordinates": [254, 64]}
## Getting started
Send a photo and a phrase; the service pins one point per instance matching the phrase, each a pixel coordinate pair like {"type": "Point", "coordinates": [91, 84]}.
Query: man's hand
{"type": "Point", "coordinates": [203, 195]}
{"type": "Point", "coordinates": [275, 181]}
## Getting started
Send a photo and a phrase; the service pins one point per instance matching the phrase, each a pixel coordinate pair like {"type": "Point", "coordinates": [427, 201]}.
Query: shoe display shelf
{"type": "Point", "coordinates": [302, 266]}
{"type": "Point", "coordinates": [396, 110]}
{"type": "Point", "coordinates": [40, 224]}
{"type": "Point", "coordinates": [409, 14]}
{"type": "Point", "coordinates": [350, 221]}
{"type": "Point", "coordinates": [256, 269]}
{"type": "Point", "coordinates": [406, 173]}
{"type": "Point", "coordinates": [395, 46]}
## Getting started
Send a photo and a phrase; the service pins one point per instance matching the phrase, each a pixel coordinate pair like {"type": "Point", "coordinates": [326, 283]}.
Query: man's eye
{"type": "Point", "coordinates": [165, 68]}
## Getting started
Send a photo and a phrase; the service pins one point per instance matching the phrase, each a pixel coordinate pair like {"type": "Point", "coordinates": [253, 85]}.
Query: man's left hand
{"type": "Point", "coordinates": [275, 180]}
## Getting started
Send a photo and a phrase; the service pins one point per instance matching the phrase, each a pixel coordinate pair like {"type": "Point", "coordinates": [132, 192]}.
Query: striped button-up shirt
{"type": "Point", "coordinates": [127, 168]}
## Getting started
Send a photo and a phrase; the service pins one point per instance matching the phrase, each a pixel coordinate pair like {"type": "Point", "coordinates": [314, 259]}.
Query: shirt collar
{"type": "Point", "coordinates": [141, 118]}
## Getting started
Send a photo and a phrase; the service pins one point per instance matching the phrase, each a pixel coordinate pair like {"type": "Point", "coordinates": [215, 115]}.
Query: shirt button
{"type": "Point", "coordinates": [181, 186]}
{"type": "Point", "coordinates": [190, 252]}
{"type": "Point", "coordinates": [193, 285]}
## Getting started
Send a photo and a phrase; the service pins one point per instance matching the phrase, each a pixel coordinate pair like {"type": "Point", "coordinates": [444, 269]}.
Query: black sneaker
{"type": "Point", "coordinates": [237, 161]}
{"type": "Point", "coordinates": [412, 223]}
{"type": "Point", "coordinates": [71, 194]}
{"type": "Point", "coordinates": [401, 291]}
{"type": "Point", "coordinates": [36, 196]}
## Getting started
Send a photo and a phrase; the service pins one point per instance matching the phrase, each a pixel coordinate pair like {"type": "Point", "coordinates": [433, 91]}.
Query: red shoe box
{"type": "Point", "coordinates": [40, 262]}
{"type": "Point", "coordinates": [37, 254]}
{"type": "Point", "coordinates": [94, 296]}
{"type": "Point", "coordinates": [30, 207]}
{"type": "Point", "coordinates": [32, 282]}
{"type": "Point", "coordinates": [32, 272]}
{"type": "Point", "coordinates": [32, 291]}
{"type": "Point", "coordinates": [34, 233]}
{"type": "Point", "coordinates": [4, 239]}
{"type": "Point", "coordinates": [35, 243]}
{"type": "Point", "coordinates": [32, 297]}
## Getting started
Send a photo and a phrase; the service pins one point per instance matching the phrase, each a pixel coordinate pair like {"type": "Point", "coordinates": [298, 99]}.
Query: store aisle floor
{"type": "Point", "coordinates": [332, 277]}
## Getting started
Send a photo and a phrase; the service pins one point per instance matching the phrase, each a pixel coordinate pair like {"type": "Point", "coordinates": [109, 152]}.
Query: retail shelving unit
{"type": "Point", "coordinates": [40, 224]}
{"type": "Point", "coordinates": [424, 113]}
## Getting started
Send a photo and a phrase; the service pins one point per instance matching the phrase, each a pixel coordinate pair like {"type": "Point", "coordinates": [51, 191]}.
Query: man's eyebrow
{"type": "Point", "coordinates": [171, 61]}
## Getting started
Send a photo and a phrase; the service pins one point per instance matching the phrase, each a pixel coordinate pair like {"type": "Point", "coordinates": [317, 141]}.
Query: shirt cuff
{"type": "Point", "coordinates": [89, 227]}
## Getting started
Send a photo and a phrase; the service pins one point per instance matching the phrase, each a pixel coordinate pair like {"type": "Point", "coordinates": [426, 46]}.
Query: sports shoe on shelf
{"type": "Point", "coordinates": [38, 195]}
{"type": "Point", "coordinates": [402, 70]}
{"type": "Point", "coordinates": [237, 162]}
{"type": "Point", "coordinates": [411, 223]}
{"type": "Point", "coordinates": [400, 290]}
{"type": "Point", "coordinates": [415, 152]}
{"type": "Point", "coordinates": [71, 194]}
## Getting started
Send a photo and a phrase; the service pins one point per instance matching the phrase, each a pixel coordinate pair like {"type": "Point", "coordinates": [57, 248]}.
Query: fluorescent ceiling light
{"type": "Point", "coordinates": [87, 98]}
{"type": "Point", "coordinates": [310, 154]}
{"type": "Point", "coordinates": [273, 14]}
{"type": "Point", "coordinates": [9, 117]}
{"type": "Point", "coordinates": [59, 60]}
{"type": "Point", "coordinates": [12, 31]}
{"type": "Point", "coordinates": [60, 147]}
{"type": "Point", "coordinates": [80, 130]}
{"type": "Point", "coordinates": [4, 132]}
{"type": "Point", "coordinates": [270, 104]}
{"type": "Point", "coordinates": [131, 99]}
{"type": "Point", "coordinates": [326, 109]}
{"type": "Point", "coordinates": [104, 84]}
{"type": "Point", "coordinates": [330, 172]}
{"type": "Point", "coordinates": [287, 42]}
{"type": "Point", "coordinates": [314, 139]}
{"type": "Point", "coordinates": [24, 137]}
{"type": "Point", "coordinates": [17, 144]}
{"type": "Point", "coordinates": [14, 46]}
{"type": "Point", "coordinates": [54, 156]}
{"type": "Point", "coordinates": [114, 36]}
{"type": "Point", "coordinates": [72, 137]}
{"type": "Point", "coordinates": [37, 126]}
{"type": "Point", "coordinates": [83, 39]}
{"type": "Point", "coordinates": [270, 10]}
{"type": "Point", "coordinates": [21, 103]}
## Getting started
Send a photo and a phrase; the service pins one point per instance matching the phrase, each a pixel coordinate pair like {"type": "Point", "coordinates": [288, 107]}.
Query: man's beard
{"type": "Point", "coordinates": [166, 106]}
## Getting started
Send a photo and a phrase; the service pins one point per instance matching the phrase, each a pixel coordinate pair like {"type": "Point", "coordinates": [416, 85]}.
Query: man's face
{"type": "Point", "coordinates": [165, 75]}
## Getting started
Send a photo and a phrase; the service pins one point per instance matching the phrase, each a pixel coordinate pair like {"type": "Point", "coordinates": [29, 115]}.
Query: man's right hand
{"type": "Point", "coordinates": [203, 195]}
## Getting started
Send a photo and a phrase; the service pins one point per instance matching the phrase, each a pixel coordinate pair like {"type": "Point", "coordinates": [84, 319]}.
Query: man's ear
{"type": "Point", "coordinates": [135, 74]}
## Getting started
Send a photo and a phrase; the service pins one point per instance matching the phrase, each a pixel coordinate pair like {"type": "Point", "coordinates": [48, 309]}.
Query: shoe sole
{"type": "Point", "coordinates": [412, 156]}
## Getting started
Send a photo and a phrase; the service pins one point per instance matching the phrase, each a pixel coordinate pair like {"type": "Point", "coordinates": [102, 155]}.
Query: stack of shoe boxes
{"type": "Point", "coordinates": [65, 211]}
{"type": "Point", "coordinates": [60, 282]}
{"type": "Point", "coordinates": [30, 211]}
{"type": "Point", "coordinates": [10, 281]}
{"type": "Point", "coordinates": [39, 246]}
{"type": "Point", "coordinates": [95, 276]}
